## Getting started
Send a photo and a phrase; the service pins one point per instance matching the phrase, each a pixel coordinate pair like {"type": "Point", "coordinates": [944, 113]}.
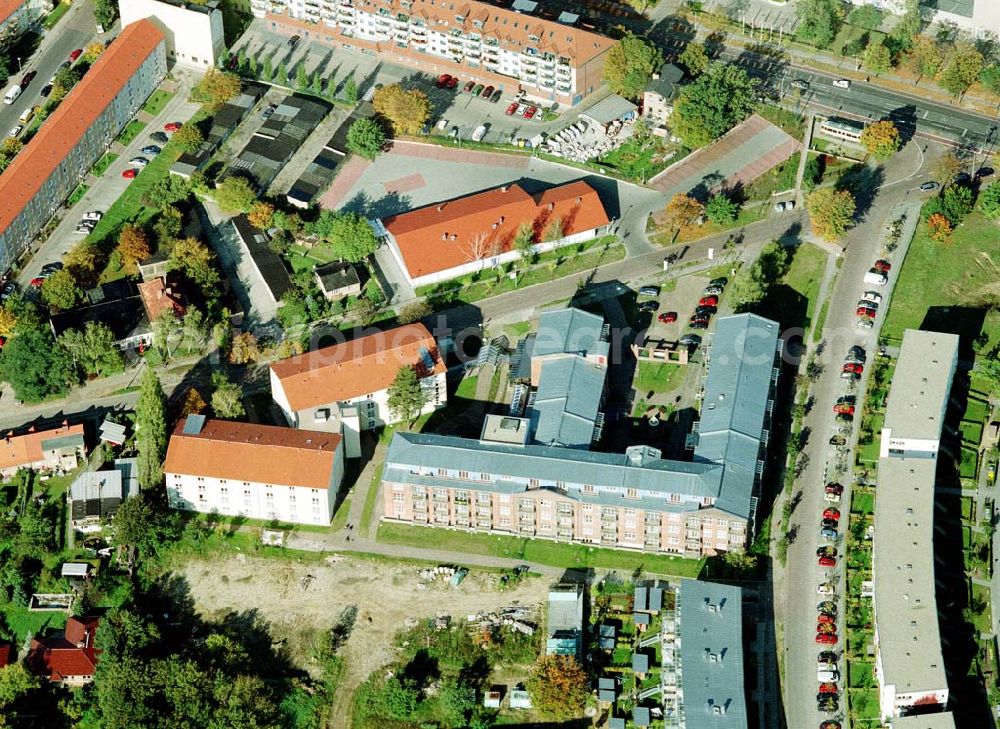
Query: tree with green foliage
{"type": "Point", "coordinates": [962, 69]}
{"type": "Point", "coordinates": [105, 12]}
{"type": "Point", "coordinates": [989, 201]}
{"type": "Point", "coordinates": [301, 76]}
{"type": "Point", "coordinates": [267, 72]}
{"type": "Point", "coordinates": [197, 261]}
{"type": "Point", "coordinates": [349, 235]}
{"type": "Point", "coordinates": [717, 100]}
{"type": "Point", "coordinates": [150, 429]}
{"type": "Point", "coordinates": [989, 77]}
{"type": "Point", "coordinates": [694, 59]}
{"type": "Point", "coordinates": [524, 242]}
{"type": "Point", "coordinates": [630, 64]}
{"type": "Point", "coordinates": [167, 191]}
{"type": "Point", "coordinates": [94, 349]}
{"type": "Point", "coordinates": [831, 211]}
{"type": "Point", "coordinates": [819, 21]}
{"type": "Point", "coordinates": [868, 17]}
{"type": "Point", "coordinates": [188, 139]}
{"type": "Point", "coordinates": [316, 83]}
{"type": "Point", "coordinates": [558, 687]}
{"type": "Point", "coordinates": [877, 58]}
{"type": "Point", "coordinates": [721, 209]}
{"type": "Point", "coordinates": [366, 138]}
{"type": "Point", "coordinates": [350, 90]}
{"type": "Point", "coordinates": [235, 195]}
{"type": "Point", "coordinates": [414, 312]}
{"type": "Point", "coordinates": [139, 522]}
{"type": "Point", "coordinates": [406, 395]}
{"type": "Point", "coordinates": [34, 366]}
{"type": "Point", "coordinates": [908, 28]}
{"type": "Point", "coordinates": [61, 291]}
{"type": "Point", "coordinates": [217, 87]}
{"type": "Point", "coordinates": [956, 203]}
{"type": "Point", "coordinates": [752, 283]}
{"type": "Point", "coordinates": [16, 682]}
{"type": "Point", "coordinates": [456, 702]}
{"type": "Point", "coordinates": [925, 57]}
{"type": "Point", "coordinates": [227, 398]}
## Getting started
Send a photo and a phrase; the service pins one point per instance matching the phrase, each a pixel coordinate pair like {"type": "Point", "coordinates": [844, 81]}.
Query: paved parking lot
{"type": "Point", "coordinates": [682, 301]}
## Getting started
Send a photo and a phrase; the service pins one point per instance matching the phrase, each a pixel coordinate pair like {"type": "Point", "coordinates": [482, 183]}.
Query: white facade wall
{"type": "Point", "coordinates": [491, 262]}
{"type": "Point", "coordinates": [373, 408]}
{"type": "Point", "coordinates": [254, 500]}
{"type": "Point", "coordinates": [194, 33]}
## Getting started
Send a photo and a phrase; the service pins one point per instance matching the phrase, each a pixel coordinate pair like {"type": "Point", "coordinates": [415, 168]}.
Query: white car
{"type": "Point", "coordinates": [826, 588]}
{"type": "Point", "coordinates": [874, 296]}
{"type": "Point", "coordinates": [865, 323]}
{"type": "Point", "coordinates": [842, 83]}
{"type": "Point", "coordinates": [15, 131]}
{"type": "Point", "coordinates": [94, 215]}
{"type": "Point", "coordinates": [139, 162]}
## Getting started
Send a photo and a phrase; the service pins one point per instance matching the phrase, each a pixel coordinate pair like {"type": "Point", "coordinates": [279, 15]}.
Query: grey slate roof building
{"type": "Point", "coordinates": [266, 262]}
{"type": "Point", "coordinates": [710, 656]}
{"type": "Point", "coordinates": [96, 495]}
{"type": "Point", "coordinates": [666, 81]}
{"type": "Point", "coordinates": [338, 279]}
{"type": "Point", "coordinates": [640, 716]}
{"type": "Point", "coordinates": [606, 690]}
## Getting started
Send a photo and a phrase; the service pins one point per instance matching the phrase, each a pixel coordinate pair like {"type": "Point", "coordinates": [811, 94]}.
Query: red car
{"type": "Point", "coordinates": [826, 628]}
{"type": "Point", "coordinates": [75, 54]}
{"type": "Point", "coordinates": [130, 173]}
{"type": "Point", "coordinates": [882, 266]}
{"type": "Point", "coordinates": [469, 86]}
{"type": "Point", "coordinates": [826, 638]}
{"type": "Point", "coordinates": [443, 80]}
{"type": "Point", "coordinates": [668, 317]}
{"type": "Point", "coordinates": [232, 63]}
{"type": "Point", "coordinates": [853, 368]}
{"type": "Point", "coordinates": [453, 83]}
{"type": "Point", "coordinates": [843, 408]}
{"type": "Point", "coordinates": [827, 562]}
{"type": "Point", "coordinates": [824, 618]}
{"type": "Point", "coordinates": [866, 312]}
{"type": "Point", "coordinates": [834, 488]}
{"type": "Point", "coordinates": [37, 281]}
{"type": "Point", "coordinates": [828, 688]}
{"type": "Point", "coordinates": [831, 513]}
{"type": "Point", "coordinates": [530, 112]}
{"type": "Point", "coordinates": [26, 79]}
{"type": "Point", "coordinates": [487, 92]}
{"type": "Point", "coordinates": [709, 301]}
{"type": "Point", "coordinates": [830, 725]}
{"type": "Point", "coordinates": [512, 108]}
{"type": "Point", "coordinates": [171, 126]}
{"type": "Point", "coordinates": [699, 320]}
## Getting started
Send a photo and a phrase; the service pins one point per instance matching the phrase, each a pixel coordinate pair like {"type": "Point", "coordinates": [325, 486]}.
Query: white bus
{"type": "Point", "coordinates": [842, 129]}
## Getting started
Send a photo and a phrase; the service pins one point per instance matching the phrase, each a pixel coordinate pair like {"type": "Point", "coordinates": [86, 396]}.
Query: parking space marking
{"type": "Point", "coordinates": [405, 184]}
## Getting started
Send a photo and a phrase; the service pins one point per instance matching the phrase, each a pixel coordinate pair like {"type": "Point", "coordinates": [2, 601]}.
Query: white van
{"type": "Point", "coordinates": [12, 94]}
{"type": "Point", "coordinates": [827, 676]}
{"type": "Point", "coordinates": [842, 83]}
{"type": "Point", "coordinates": [477, 136]}
{"type": "Point", "coordinates": [875, 277]}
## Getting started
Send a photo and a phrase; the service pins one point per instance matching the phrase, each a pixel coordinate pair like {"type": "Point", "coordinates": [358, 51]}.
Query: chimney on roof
{"type": "Point", "coordinates": [495, 225]}
{"type": "Point", "coordinates": [552, 206]}
{"type": "Point", "coordinates": [444, 236]}
{"type": "Point", "coordinates": [159, 294]}
{"type": "Point", "coordinates": [505, 188]}
{"type": "Point", "coordinates": [454, 236]}
{"type": "Point", "coordinates": [579, 199]}
{"type": "Point", "coordinates": [502, 218]}
{"type": "Point", "coordinates": [441, 207]}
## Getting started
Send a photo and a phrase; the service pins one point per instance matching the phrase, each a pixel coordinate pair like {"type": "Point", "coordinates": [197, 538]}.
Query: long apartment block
{"type": "Point", "coordinates": [77, 133]}
{"type": "Point", "coordinates": [523, 47]}
{"type": "Point", "coordinates": [511, 481]}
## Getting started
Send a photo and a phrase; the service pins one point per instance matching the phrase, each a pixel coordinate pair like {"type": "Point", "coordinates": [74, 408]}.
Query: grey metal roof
{"type": "Point", "coordinates": [567, 401]}
{"type": "Point", "coordinates": [640, 715]}
{"type": "Point", "coordinates": [120, 482]}
{"type": "Point", "coordinates": [640, 662]}
{"type": "Point", "coordinates": [606, 682]}
{"type": "Point", "coordinates": [610, 109]}
{"type": "Point", "coordinates": [569, 330]}
{"type": "Point", "coordinates": [565, 615]}
{"type": "Point", "coordinates": [616, 722]}
{"type": "Point", "coordinates": [338, 275]}
{"type": "Point", "coordinates": [711, 654]}
{"type": "Point", "coordinates": [906, 619]}
{"type": "Point", "coordinates": [270, 265]}
{"type": "Point", "coordinates": [640, 597]}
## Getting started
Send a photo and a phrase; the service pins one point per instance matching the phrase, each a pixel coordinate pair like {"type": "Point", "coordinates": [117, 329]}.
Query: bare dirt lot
{"type": "Point", "coordinates": [301, 599]}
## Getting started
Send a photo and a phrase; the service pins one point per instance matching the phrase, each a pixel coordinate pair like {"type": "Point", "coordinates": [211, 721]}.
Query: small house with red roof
{"type": "Point", "coordinates": [452, 238]}
{"type": "Point", "coordinates": [70, 658]}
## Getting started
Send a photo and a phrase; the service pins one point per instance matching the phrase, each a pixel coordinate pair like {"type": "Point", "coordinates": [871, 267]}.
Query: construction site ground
{"type": "Point", "coordinates": [303, 600]}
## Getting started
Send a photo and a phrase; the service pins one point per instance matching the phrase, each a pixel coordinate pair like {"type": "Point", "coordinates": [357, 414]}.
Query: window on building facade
{"type": "Point", "coordinates": [631, 494]}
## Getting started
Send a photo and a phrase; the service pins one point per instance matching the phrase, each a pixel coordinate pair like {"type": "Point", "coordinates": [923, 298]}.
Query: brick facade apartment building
{"type": "Point", "coordinates": [79, 131]}
{"type": "Point", "coordinates": [505, 482]}
{"type": "Point", "coordinates": [255, 471]}
{"type": "Point", "coordinates": [521, 47]}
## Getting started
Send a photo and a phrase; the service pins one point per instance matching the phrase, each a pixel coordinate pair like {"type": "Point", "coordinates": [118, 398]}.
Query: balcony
{"type": "Point", "coordinates": [564, 534]}
{"type": "Point", "coordinates": [483, 523]}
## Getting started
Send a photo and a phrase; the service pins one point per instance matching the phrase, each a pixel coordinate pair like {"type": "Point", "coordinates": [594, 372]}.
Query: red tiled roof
{"type": "Point", "coordinates": [72, 654]}
{"type": "Point", "coordinates": [158, 298]}
{"type": "Point", "coordinates": [250, 452]}
{"type": "Point", "coordinates": [78, 111]}
{"type": "Point", "coordinates": [355, 368]}
{"type": "Point", "coordinates": [23, 450]}
{"type": "Point", "coordinates": [442, 235]}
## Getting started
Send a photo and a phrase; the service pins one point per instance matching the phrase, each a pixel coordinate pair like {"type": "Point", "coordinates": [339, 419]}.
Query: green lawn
{"type": "Point", "coordinates": [967, 506]}
{"type": "Point", "coordinates": [538, 550]}
{"type": "Point", "coordinates": [154, 105]}
{"type": "Point", "coordinates": [635, 158]}
{"type": "Point", "coordinates": [77, 195]}
{"type": "Point", "coordinates": [972, 432]}
{"type": "Point", "coordinates": [101, 166]}
{"type": "Point", "coordinates": [860, 674]}
{"type": "Point", "coordinates": [131, 131]}
{"type": "Point", "coordinates": [864, 707]}
{"type": "Point", "coordinates": [942, 287]}
{"type": "Point", "coordinates": [370, 499]}
{"type": "Point", "coordinates": [22, 622]}
{"type": "Point", "coordinates": [56, 15]}
{"type": "Point", "coordinates": [466, 389]}
{"type": "Point", "coordinates": [976, 410]}
{"type": "Point", "coordinates": [970, 459]}
{"type": "Point", "coordinates": [983, 621]}
{"type": "Point", "coordinates": [657, 378]}
{"type": "Point", "coordinates": [862, 503]}
{"type": "Point", "coordinates": [301, 258]}
{"type": "Point", "coordinates": [805, 275]}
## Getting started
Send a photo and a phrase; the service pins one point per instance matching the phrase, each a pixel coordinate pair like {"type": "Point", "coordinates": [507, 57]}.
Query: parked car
{"type": "Point", "coordinates": [649, 291]}
{"type": "Point", "coordinates": [477, 89]}
{"type": "Point", "coordinates": [831, 513]}
{"type": "Point", "coordinates": [698, 324]}
{"type": "Point", "coordinates": [15, 131]}
{"type": "Point", "coordinates": [827, 628]}
{"type": "Point", "coordinates": [882, 266]}
{"type": "Point", "coordinates": [827, 562]}
{"type": "Point", "coordinates": [842, 83]}
{"type": "Point", "coordinates": [826, 638]}
{"type": "Point", "coordinates": [75, 54]}
{"type": "Point", "coordinates": [866, 312]}
{"type": "Point", "coordinates": [834, 488]}
{"type": "Point", "coordinates": [159, 137]}
{"type": "Point", "coordinates": [984, 172]}
{"type": "Point", "coordinates": [874, 276]}
{"type": "Point", "coordinates": [453, 83]}
{"type": "Point", "coordinates": [830, 534]}
{"type": "Point", "coordinates": [469, 85]}
{"type": "Point", "coordinates": [853, 367]}
{"type": "Point", "coordinates": [721, 281]}
{"type": "Point", "coordinates": [826, 588]}
{"type": "Point", "coordinates": [873, 296]}
{"type": "Point", "coordinates": [928, 186]}
{"type": "Point", "coordinates": [496, 96]}
{"type": "Point", "coordinates": [37, 281]}
{"type": "Point", "coordinates": [826, 618]}
{"type": "Point", "coordinates": [649, 306]}
{"type": "Point", "coordinates": [294, 40]}
{"type": "Point", "coordinates": [962, 178]}
{"type": "Point", "coordinates": [443, 80]}
{"type": "Point", "coordinates": [487, 92]}
{"type": "Point", "coordinates": [857, 352]}
{"type": "Point", "coordinates": [828, 524]}
{"type": "Point", "coordinates": [712, 290]}
{"type": "Point", "coordinates": [843, 408]}
{"type": "Point", "coordinates": [667, 317]}
{"type": "Point", "coordinates": [832, 724]}
{"type": "Point", "coordinates": [139, 162]}
{"type": "Point", "coordinates": [151, 149]}
{"type": "Point", "coordinates": [8, 290]}
{"type": "Point", "coordinates": [50, 268]}
{"type": "Point", "coordinates": [171, 126]}
{"type": "Point", "coordinates": [838, 440]}
{"type": "Point", "coordinates": [865, 323]}
{"type": "Point", "coordinates": [826, 551]}
{"type": "Point", "coordinates": [829, 607]}
{"type": "Point", "coordinates": [46, 90]}
{"type": "Point", "coordinates": [511, 109]}
{"type": "Point", "coordinates": [530, 112]}
{"type": "Point", "coordinates": [706, 311]}
{"type": "Point", "coordinates": [799, 83]}
{"type": "Point", "coordinates": [130, 173]}
{"type": "Point", "coordinates": [690, 340]}
{"type": "Point", "coordinates": [708, 301]}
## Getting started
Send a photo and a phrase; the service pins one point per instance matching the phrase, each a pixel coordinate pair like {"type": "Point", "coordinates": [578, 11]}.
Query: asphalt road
{"type": "Point", "coordinates": [72, 32]}
{"type": "Point", "coordinates": [796, 585]}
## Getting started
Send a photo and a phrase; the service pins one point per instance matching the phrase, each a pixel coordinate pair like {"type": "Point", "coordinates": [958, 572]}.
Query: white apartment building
{"type": "Point", "coordinates": [17, 16]}
{"type": "Point", "coordinates": [193, 31]}
{"type": "Point", "coordinates": [525, 47]}
{"type": "Point", "coordinates": [344, 388]}
{"type": "Point", "coordinates": [254, 471]}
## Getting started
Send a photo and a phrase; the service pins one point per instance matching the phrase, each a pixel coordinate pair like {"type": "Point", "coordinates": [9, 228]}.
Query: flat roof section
{"type": "Point", "coordinates": [944, 720]}
{"type": "Point", "coordinates": [906, 618]}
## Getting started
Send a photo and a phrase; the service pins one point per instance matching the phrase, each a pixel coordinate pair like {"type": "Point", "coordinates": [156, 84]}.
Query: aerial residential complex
{"type": "Point", "coordinates": [255, 471]}
{"type": "Point", "coordinates": [526, 46]}
{"type": "Point", "coordinates": [451, 238]}
{"type": "Point", "coordinates": [504, 482]}
{"type": "Point", "coordinates": [192, 30]}
{"type": "Point", "coordinates": [702, 673]}
{"type": "Point", "coordinates": [79, 131]}
{"type": "Point", "coordinates": [909, 664]}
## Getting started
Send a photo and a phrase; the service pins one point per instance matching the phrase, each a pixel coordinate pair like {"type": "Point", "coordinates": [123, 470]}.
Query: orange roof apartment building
{"type": "Point", "coordinates": [255, 471]}
{"type": "Point", "coordinates": [344, 388]}
{"type": "Point", "coordinates": [55, 449]}
{"type": "Point", "coordinates": [522, 47]}
{"type": "Point", "coordinates": [445, 240]}
{"type": "Point", "coordinates": [77, 133]}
